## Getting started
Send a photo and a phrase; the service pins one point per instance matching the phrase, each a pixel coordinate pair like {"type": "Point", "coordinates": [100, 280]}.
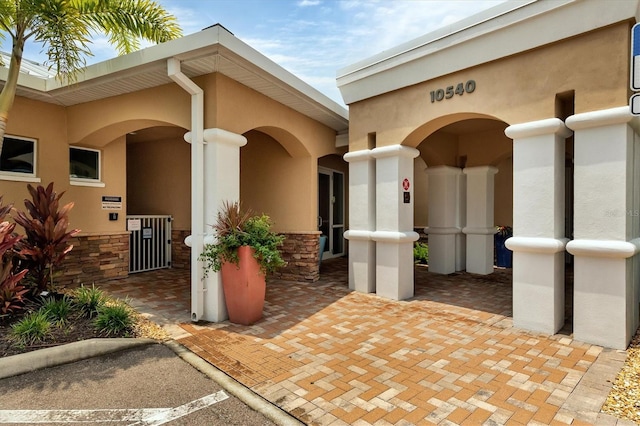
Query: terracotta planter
{"type": "Point", "coordinates": [244, 288]}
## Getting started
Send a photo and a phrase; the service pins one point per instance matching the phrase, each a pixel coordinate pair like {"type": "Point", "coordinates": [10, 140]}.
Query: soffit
{"type": "Point", "coordinates": [212, 50]}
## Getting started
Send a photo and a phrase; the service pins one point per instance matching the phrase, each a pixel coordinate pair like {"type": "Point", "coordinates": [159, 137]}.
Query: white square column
{"type": "Point", "coordinates": [445, 226]}
{"type": "Point", "coordinates": [394, 235]}
{"type": "Point", "coordinates": [362, 221]}
{"type": "Point", "coordinates": [538, 224]}
{"type": "Point", "coordinates": [480, 228]}
{"type": "Point", "coordinates": [221, 183]}
{"type": "Point", "coordinates": [607, 204]}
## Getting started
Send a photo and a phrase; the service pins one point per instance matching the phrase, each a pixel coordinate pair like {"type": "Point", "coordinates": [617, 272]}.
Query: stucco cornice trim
{"type": "Point", "coordinates": [395, 236]}
{"type": "Point", "coordinates": [355, 156]}
{"type": "Point", "coordinates": [394, 151]}
{"type": "Point", "coordinates": [430, 230]}
{"type": "Point", "coordinates": [479, 230]}
{"type": "Point", "coordinates": [358, 235]}
{"type": "Point", "coordinates": [606, 117]}
{"type": "Point", "coordinates": [606, 249]}
{"type": "Point", "coordinates": [538, 128]}
{"type": "Point", "coordinates": [536, 244]}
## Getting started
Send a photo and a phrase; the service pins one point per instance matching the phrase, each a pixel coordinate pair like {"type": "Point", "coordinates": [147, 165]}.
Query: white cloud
{"type": "Point", "coordinates": [306, 3]}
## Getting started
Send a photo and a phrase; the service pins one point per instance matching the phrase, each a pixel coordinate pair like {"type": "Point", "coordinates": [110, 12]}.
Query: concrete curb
{"type": "Point", "coordinates": [244, 394]}
{"type": "Point", "coordinates": [64, 354]}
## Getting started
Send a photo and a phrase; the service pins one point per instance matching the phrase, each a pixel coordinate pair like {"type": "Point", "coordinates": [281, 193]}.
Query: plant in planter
{"type": "Point", "coordinates": [504, 256]}
{"type": "Point", "coordinates": [245, 250]}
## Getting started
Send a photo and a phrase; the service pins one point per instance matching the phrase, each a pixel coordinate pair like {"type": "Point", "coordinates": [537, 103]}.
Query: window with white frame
{"type": "Point", "coordinates": [84, 164]}
{"type": "Point", "coordinates": [18, 157]}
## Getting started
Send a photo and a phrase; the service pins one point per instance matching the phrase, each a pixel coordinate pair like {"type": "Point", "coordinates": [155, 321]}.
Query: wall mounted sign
{"type": "Point", "coordinates": [406, 184]}
{"type": "Point", "coordinates": [450, 91]}
{"type": "Point", "coordinates": [111, 202]}
{"type": "Point", "coordinates": [634, 101]}
{"type": "Point", "coordinates": [147, 233]}
{"type": "Point", "coordinates": [134, 224]}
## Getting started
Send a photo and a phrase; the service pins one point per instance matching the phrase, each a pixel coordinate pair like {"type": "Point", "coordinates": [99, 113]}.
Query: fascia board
{"type": "Point", "coordinates": [508, 33]}
{"type": "Point", "coordinates": [28, 81]}
{"type": "Point", "coordinates": [214, 40]}
{"type": "Point", "coordinates": [181, 48]}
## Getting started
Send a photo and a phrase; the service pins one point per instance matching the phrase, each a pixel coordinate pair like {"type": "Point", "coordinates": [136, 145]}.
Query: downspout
{"type": "Point", "coordinates": [197, 184]}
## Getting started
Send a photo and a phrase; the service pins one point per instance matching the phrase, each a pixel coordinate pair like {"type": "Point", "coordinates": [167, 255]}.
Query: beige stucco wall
{"type": "Point", "coordinates": [50, 136]}
{"type": "Point", "coordinates": [515, 89]}
{"type": "Point", "coordinates": [98, 123]}
{"type": "Point", "coordinates": [159, 180]}
{"type": "Point", "coordinates": [274, 183]}
{"type": "Point", "coordinates": [511, 90]}
{"type": "Point", "coordinates": [88, 214]}
{"type": "Point", "coordinates": [279, 177]}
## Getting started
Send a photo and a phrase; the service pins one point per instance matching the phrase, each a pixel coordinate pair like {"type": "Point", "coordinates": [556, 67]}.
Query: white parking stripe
{"type": "Point", "coordinates": [142, 416]}
{"type": "Point", "coordinates": [161, 418]}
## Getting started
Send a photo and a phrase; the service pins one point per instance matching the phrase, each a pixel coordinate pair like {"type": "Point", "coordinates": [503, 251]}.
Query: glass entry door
{"type": "Point", "coordinates": [331, 210]}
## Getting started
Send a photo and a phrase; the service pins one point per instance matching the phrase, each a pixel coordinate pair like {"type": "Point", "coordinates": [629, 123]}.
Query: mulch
{"type": "Point", "coordinates": [624, 399]}
{"type": "Point", "coordinates": [76, 329]}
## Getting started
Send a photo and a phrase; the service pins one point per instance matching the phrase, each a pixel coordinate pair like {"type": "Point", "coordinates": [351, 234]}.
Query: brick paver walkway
{"type": "Point", "coordinates": [448, 356]}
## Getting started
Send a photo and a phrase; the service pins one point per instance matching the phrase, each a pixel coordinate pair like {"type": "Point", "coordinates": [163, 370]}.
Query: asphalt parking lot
{"type": "Point", "coordinates": [150, 385]}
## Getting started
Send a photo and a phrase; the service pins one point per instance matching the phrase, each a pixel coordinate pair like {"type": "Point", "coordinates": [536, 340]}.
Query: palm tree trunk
{"type": "Point", "coordinates": [8, 94]}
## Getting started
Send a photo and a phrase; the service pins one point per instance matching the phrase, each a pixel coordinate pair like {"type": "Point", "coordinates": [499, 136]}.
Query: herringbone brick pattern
{"type": "Point", "coordinates": [330, 356]}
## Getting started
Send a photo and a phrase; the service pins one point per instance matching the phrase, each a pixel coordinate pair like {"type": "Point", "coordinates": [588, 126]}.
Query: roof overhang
{"type": "Point", "coordinates": [510, 28]}
{"type": "Point", "coordinates": [209, 51]}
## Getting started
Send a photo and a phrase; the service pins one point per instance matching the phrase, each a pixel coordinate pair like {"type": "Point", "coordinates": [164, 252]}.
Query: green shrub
{"type": "Point", "coordinates": [115, 318]}
{"type": "Point", "coordinates": [33, 328]}
{"type": "Point", "coordinates": [236, 227]}
{"type": "Point", "coordinates": [57, 310]}
{"type": "Point", "coordinates": [421, 253]}
{"type": "Point", "coordinates": [89, 300]}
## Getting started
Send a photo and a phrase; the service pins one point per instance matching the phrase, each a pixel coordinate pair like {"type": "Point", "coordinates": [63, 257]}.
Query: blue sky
{"type": "Point", "coordinates": [313, 38]}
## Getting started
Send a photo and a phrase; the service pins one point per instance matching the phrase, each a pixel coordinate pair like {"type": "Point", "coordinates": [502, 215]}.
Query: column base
{"type": "Point", "coordinates": [601, 308]}
{"type": "Point", "coordinates": [394, 264]}
{"type": "Point", "coordinates": [480, 253]}
{"type": "Point", "coordinates": [605, 301]}
{"type": "Point", "coordinates": [394, 270]}
{"type": "Point", "coordinates": [538, 291]}
{"type": "Point", "coordinates": [442, 252]}
{"type": "Point", "coordinates": [538, 283]}
{"type": "Point", "coordinates": [362, 268]}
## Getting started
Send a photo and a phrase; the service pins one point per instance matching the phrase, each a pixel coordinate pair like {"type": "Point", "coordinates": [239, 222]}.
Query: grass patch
{"type": "Point", "coordinates": [115, 318]}
{"type": "Point", "coordinates": [31, 329]}
{"type": "Point", "coordinates": [89, 300]}
{"type": "Point", "coordinates": [58, 310]}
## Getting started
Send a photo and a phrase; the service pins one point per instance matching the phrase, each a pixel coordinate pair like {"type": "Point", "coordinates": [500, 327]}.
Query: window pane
{"type": "Point", "coordinates": [17, 156]}
{"type": "Point", "coordinates": [84, 164]}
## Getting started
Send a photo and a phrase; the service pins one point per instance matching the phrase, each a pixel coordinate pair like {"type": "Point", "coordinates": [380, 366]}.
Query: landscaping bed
{"type": "Point", "coordinates": [106, 318]}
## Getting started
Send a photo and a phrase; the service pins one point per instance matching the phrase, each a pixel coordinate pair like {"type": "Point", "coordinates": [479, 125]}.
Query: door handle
{"type": "Point", "coordinates": [319, 221]}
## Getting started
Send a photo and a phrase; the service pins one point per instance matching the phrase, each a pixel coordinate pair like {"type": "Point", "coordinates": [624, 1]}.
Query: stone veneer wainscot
{"type": "Point", "coordinates": [300, 251]}
{"type": "Point", "coordinates": [95, 258]}
{"type": "Point", "coordinates": [180, 252]}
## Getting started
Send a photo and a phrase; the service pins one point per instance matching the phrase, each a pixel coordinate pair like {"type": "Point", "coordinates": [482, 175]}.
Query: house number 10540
{"type": "Point", "coordinates": [450, 91]}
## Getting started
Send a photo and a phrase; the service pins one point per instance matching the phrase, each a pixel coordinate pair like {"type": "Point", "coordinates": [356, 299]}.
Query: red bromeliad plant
{"type": "Point", "coordinates": [47, 240]}
{"type": "Point", "coordinates": [11, 292]}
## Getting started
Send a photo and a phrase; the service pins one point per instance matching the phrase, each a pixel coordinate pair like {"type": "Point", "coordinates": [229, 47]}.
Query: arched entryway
{"type": "Point", "coordinates": [465, 197]}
